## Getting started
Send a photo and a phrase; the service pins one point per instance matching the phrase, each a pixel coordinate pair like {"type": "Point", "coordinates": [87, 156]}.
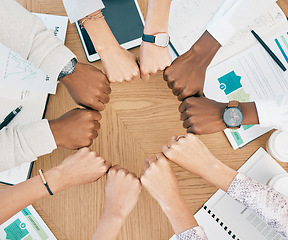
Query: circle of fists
{"type": "Point", "coordinates": [123, 187]}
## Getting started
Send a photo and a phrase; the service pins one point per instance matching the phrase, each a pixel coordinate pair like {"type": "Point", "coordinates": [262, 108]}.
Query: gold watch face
{"type": "Point", "coordinates": [233, 117]}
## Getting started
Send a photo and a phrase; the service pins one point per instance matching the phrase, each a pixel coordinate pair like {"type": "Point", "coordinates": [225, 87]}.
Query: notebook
{"type": "Point", "coordinates": [32, 98]}
{"type": "Point", "coordinates": [248, 76]}
{"type": "Point", "coordinates": [127, 28]}
{"type": "Point", "coordinates": [26, 225]}
{"type": "Point", "coordinates": [188, 20]}
{"type": "Point", "coordinates": [224, 218]}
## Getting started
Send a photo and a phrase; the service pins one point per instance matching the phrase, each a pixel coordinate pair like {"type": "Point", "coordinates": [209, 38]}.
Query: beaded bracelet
{"type": "Point", "coordinates": [45, 182]}
{"type": "Point", "coordinates": [97, 16]}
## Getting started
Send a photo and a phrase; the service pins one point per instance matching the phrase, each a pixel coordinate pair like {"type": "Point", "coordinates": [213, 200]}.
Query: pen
{"type": "Point", "coordinates": [10, 117]}
{"type": "Point", "coordinates": [275, 58]}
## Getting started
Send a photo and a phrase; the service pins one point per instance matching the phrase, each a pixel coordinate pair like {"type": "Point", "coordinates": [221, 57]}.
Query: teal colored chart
{"type": "Point", "coordinates": [16, 230]}
{"type": "Point", "coordinates": [24, 68]}
{"type": "Point", "coordinates": [230, 82]}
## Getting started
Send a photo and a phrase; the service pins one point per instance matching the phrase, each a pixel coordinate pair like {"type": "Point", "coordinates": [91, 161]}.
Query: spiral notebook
{"type": "Point", "coordinates": [224, 218]}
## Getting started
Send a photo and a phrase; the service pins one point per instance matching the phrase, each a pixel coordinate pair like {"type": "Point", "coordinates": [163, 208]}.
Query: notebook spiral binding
{"type": "Point", "coordinates": [218, 220]}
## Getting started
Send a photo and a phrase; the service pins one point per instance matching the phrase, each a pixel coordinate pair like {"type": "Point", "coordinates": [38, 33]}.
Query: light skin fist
{"type": "Point", "coordinates": [201, 115]}
{"type": "Point", "coordinates": [191, 154]}
{"type": "Point", "coordinates": [75, 129]}
{"type": "Point", "coordinates": [119, 64]}
{"type": "Point", "coordinates": [122, 191]}
{"type": "Point", "coordinates": [153, 59]}
{"type": "Point", "coordinates": [84, 166]}
{"type": "Point", "coordinates": [88, 86]}
{"type": "Point", "coordinates": [186, 75]}
{"type": "Point", "coordinates": [160, 181]}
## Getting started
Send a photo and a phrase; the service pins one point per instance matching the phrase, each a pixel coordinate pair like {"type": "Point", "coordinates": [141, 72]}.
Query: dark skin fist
{"type": "Point", "coordinates": [88, 87]}
{"type": "Point", "coordinates": [186, 75]}
{"type": "Point", "coordinates": [201, 115]}
{"type": "Point", "coordinates": [76, 129]}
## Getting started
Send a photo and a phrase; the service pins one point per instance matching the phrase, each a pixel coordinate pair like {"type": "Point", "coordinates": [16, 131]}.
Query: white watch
{"type": "Point", "coordinates": [159, 39]}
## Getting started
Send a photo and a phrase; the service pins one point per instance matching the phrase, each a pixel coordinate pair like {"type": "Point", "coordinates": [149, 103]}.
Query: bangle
{"type": "Point", "coordinates": [45, 182]}
{"type": "Point", "coordinates": [97, 16]}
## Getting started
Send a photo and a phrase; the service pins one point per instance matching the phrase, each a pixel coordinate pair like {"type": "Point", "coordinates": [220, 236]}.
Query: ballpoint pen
{"type": "Point", "coordinates": [10, 117]}
{"type": "Point", "coordinates": [269, 51]}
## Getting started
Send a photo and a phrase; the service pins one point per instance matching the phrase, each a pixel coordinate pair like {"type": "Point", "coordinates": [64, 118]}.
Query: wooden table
{"type": "Point", "coordinates": [140, 118]}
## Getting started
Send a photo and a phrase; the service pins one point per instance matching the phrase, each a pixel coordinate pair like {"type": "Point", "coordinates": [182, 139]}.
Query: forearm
{"type": "Point", "coordinates": [250, 115]}
{"type": "Point", "coordinates": [157, 16]}
{"type": "Point", "coordinates": [205, 49]}
{"type": "Point", "coordinates": [25, 143]}
{"type": "Point", "coordinates": [179, 214]}
{"type": "Point", "coordinates": [16, 198]}
{"type": "Point", "coordinates": [218, 174]}
{"type": "Point", "coordinates": [108, 227]}
{"type": "Point", "coordinates": [100, 34]}
{"type": "Point", "coordinates": [27, 35]}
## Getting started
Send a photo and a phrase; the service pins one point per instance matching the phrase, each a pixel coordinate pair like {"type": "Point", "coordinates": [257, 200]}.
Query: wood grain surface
{"type": "Point", "coordinates": [140, 118]}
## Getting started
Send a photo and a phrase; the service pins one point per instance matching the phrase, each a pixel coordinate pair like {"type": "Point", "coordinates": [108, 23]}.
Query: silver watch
{"type": "Point", "coordinates": [68, 69]}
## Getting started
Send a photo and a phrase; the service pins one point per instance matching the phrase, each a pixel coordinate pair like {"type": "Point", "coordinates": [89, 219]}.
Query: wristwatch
{"type": "Point", "coordinates": [159, 39]}
{"type": "Point", "coordinates": [68, 69]}
{"type": "Point", "coordinates": [233, 115]}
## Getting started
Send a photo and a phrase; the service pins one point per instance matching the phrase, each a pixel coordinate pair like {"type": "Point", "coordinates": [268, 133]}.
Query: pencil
{"type": "Point", "coordinates": [268, 50]}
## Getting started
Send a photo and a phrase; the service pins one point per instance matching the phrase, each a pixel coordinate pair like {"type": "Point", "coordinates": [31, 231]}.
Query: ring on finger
{"type": "Point", "coordinates": [179, 137]}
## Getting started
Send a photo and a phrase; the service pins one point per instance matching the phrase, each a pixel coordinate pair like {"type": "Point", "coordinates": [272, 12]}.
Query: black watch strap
{"type": "Point", "coordinates": [148, 38]}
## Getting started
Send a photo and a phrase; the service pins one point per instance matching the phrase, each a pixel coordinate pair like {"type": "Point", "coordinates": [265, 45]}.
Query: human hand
{"type": "Point", "coordinates": [119, 64]}
{"type": "Point", "coordinates": [76, 129]}
{"type": "Point", "coordinates": [153, 59]}
{"type": "Point", "coordinates": [83, 166]}
{"type": "Point", "coordinates": [201, 115]}
{"type": "Point", "coordinates": [88, 86]}
{"type": "Point", "coordinates": [122, 192]}
{"type": "Point", "coordinates": [160, 181]}
{"type": "Point", "coordinates": [191, 154]}
{"type": "Point", "coordinates": [186, 75]}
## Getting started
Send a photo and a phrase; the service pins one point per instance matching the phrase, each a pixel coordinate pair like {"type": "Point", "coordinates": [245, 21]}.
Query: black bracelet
{"type": "Point", "coordinates": [45, 182]}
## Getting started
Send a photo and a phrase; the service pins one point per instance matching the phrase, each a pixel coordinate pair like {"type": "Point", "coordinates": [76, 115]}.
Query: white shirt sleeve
{"type": "Point", "coordinates": [27, 35]}
{"type": "Point", "coordinates": [77, 9]}
{"type": "Point", "coordinates": [24, 143]}
{"type": "Point", "coordinates": [273, 112]}
{"type": "Point", "coordinates": [234, 15]}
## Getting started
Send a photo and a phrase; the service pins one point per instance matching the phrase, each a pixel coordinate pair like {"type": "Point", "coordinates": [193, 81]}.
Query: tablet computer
{"type": "Point", "coordinates": [125, 21]}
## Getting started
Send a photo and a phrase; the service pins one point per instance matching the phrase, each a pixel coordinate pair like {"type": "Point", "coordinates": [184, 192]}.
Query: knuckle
{"type": "Point", "coordinates": [98, 116]}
